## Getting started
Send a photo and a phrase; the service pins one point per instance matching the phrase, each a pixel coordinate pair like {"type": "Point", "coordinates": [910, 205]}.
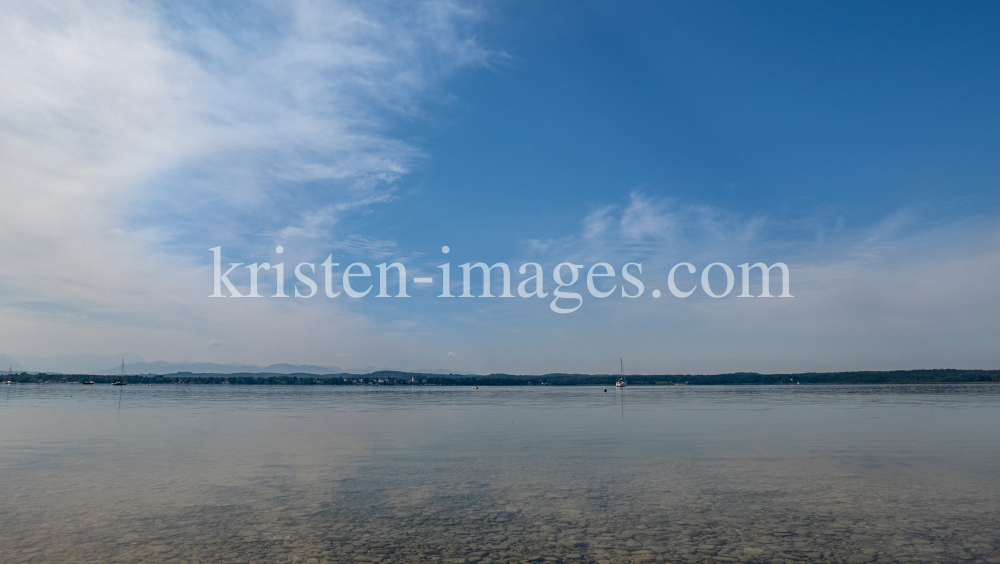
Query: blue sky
{"type": "Point", "coordinates": [755, 108]}
{"type": "Point", "coordinates": [857, 143]}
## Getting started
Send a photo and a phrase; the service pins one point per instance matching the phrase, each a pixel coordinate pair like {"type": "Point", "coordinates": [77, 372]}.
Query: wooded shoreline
{"type": "Point", "coordinates": [392, 378]}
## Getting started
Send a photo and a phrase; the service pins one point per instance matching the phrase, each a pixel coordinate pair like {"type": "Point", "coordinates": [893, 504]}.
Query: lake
{"type": "Point", "coordinates": [189, 473]}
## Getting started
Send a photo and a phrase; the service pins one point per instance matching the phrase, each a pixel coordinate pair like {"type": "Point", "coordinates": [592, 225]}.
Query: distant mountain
{"type": "Point", "coordinates": [8, 363]}
{"type": "Point", "coordinates": [66, 363]}
{"type": "Point", "coordinates": [163, 367]}
{"type": "Point", "coordinates": [90, 364]}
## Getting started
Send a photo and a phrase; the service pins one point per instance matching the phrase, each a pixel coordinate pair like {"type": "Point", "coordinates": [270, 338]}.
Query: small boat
{"type": "Point", "coordinates": [87, 383]}
{"type": "Point", "coordinates": [621, 380]}
{"type": "Point", "coordinates": [122, 381]}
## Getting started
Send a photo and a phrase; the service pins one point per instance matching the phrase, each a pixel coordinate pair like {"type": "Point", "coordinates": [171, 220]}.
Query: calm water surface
{"type": "Point", "coordinates": [176, 473]}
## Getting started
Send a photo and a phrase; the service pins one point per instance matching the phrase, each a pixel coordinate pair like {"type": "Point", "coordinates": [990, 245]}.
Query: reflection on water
{"type": "Point", "coordinates": [528, 474]}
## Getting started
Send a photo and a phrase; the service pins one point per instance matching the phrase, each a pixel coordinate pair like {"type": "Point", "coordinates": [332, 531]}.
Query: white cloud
{"type": "Point", "coordinates": [653, 219]}
{"type": "Point", "coordinates": [127, 133]}
{"type": "Point", "coordinates": [907, 292]}
{"type": "Point", "coordinates": [647, 218]}
{"type": "Point", "coordinates": [597, 223]}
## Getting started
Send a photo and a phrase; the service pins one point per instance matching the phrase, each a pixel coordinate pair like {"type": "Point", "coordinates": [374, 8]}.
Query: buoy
{"type": "Point", "coordinates": [605, 390]}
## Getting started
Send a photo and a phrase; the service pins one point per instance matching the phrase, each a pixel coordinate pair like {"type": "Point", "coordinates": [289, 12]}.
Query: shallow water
{"type": "Point", "coordinates": [177, 473]}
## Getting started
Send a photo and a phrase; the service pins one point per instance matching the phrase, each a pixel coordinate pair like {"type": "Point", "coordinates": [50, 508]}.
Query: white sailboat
{"type": "Point", "coordinates": [122, 381]}
{"type": "Point", "coordinates": [621, 380]}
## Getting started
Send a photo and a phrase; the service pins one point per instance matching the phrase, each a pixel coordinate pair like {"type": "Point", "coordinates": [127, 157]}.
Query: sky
{"type": "Point", "coordinates": [856, 143]}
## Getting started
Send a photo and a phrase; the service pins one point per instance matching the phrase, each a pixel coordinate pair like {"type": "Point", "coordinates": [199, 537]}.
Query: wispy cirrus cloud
{"type": "Point", "coordinates": [909, 291]}
{"type": "Point", "coordinates": [133, 133]}
{"type": "Point", "coordinates": [646, 223]}
{"type": "Point", "coordinates": [646, 218]}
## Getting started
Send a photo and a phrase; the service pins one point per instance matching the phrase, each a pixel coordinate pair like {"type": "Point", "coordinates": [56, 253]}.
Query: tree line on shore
{"type": "Point", "coordinates": [392, 378]}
